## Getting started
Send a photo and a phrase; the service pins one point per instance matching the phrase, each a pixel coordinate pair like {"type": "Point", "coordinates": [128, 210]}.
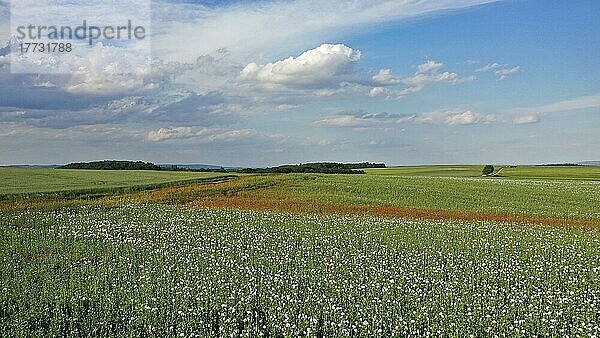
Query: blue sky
{"type": "Point", "coordinates": [250, 83]}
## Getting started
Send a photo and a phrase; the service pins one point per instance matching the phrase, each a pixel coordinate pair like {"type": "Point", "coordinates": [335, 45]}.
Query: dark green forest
{"type": "Point", "coordinates": [112, 165]}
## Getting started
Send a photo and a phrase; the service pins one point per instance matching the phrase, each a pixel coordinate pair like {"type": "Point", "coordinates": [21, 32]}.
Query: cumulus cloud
{"type": "Point", "coordinates": [214, 95]}
{"type": "Point", "coordinates": [426, 74]}
{"type": "Point", "coordinates": [376, 91]}
{"type": "Point", "coordinates": [87, 94]}
{"type": "Point", "coordinates": [88, 79]}
{"type": "Point", "coordinates": [429, 66]}
{"type": "Point", "coordinates": [315, 67]}
{"type": "Point", "coordinates": [385, 77]}
{"type": "Point", "coordinates": [421, 80]}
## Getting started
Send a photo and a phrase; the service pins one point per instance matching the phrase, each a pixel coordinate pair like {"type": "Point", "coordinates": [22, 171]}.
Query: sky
{"type": "Point", "coordinates": [259, 83]}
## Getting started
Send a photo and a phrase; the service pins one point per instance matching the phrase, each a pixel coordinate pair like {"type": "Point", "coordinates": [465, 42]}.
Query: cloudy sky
{"type": "Point", "coordinates": [254, 83]}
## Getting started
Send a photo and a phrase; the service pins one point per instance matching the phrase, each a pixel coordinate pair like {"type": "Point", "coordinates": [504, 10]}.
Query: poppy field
{"type": "Point", "coordinates": [157, 271]}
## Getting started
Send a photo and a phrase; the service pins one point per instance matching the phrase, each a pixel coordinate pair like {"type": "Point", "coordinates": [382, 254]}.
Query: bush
{"type": "Point", "coordinates": [488, 169]}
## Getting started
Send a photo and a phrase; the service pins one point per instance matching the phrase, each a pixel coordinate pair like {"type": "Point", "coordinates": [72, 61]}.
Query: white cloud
{"type": "Point", "coordinates": [534, 114]}
{"type": "Point", "coordinates": [385, 77]}
{"type": "Point", "coordinates": [457, 117]}
{"type": "Point", "coordinates": [284, 107]}
{"type": "Point", "coordinates": [170, 133]}
{"type": "Point", "coordinates": [489, 67]}
{"type": "Point", "coordinates": [525, 119]}
{"type": "Point", "coordinates": [429, 66]}
{"type": "Point", "coordinates": [345, 121]}
{"type": "Point", "coordinates": [384, 120]}
{"type": "Point", "coordinates": [467, 118]}
{"type": "Point", "coordinates": [103, 133]}
{"type": "Point", "coordinates": [253, 28]}
{"type": "Point", "coordinates": [325, 92]}
{"type": "Point", "coordinates": [503, 74]}
{"type": "Point", "coordinates": [317, 66]}
{"type": "Point", "coordinates": [376, 91]}
{"type": "Point", "coordinates": [233, 135]}
{"type": "Point", "coordinates": [426, 74]}
{"type": "Point", "coordinates": [99, 70]}
{"type": "Point", "coordinates": [115, 84]}
{"type": "Point", "coordinates": [421, 80]}
{"type": "Point", "coordinates": [118, 55]}
{"type": "Point", "coordinates": [217, 63]}
{"type": "Point", "coordinates": [583, 102]}
{"type": "Point", "coordinates": [205, 135]}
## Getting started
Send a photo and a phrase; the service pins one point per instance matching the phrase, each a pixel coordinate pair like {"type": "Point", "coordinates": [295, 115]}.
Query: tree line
{"type": "Point", "coordinates": [112, 165]}
{"type": "Point", "coordinates": [319, 167]}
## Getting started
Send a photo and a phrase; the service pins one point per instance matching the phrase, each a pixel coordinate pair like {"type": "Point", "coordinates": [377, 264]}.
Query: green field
{"type": "Point", "coordinates": [562, 199]}
{"type": "Point", "coordinates": [432, 171]}
{"type": "Point", "coordinates": [400, 252]}
{"type": "Point", "coordinates": [15, 181]}
{"type": "Point", "coordinates": [514, 172]}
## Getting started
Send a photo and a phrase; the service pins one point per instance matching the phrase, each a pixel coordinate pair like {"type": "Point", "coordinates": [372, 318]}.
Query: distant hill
{"type": "Point", "coordinates": [590, 163]}
{"type": "Point", "coordinates": [33, 166]}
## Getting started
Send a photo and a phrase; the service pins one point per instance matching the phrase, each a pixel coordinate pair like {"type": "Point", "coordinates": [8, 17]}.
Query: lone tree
{"type": "Point", "coordinates": [488, 169]}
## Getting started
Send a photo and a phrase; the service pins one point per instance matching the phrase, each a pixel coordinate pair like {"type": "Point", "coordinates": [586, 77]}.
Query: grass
{"type": "Point", "coordinates": [31, 182]}
{"type": "Point", "coordinates": [431, 171]}
{"type": "Point", "coordinates": [461, 197]}
{"type": "Point", "coordinates": [531, 201]}
{"type": "Point", "coordinates": [559, 173]}
{"type": "Point", "coordinates": [512, 172]}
